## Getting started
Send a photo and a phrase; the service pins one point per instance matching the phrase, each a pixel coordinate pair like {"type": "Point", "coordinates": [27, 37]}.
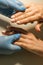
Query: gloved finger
{"type": "Point", "coordinates": [17, 7]}
{"type": "Point", "coordinates": [14, 47]}
{"type": "Point", "coordinates": [14, 11]}
{"type": "Point", "coordinates": [13, 38]}
{"type": "Point", "coordinates": [4, 4]}
{"type": "Point", "coordinates": [18, 2]}
{"type": "Point", "coordinates": [11, 4]}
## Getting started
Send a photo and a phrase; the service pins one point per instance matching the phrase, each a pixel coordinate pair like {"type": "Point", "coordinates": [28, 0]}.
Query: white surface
{"type": "Point", "coordinates": [22, 57]}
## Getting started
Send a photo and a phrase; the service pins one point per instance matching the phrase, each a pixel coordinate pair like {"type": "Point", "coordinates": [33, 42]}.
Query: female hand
{"type": "Point", "coordinates": [31, 43]}
{"type": "Point", "coordinates": [34, 12]}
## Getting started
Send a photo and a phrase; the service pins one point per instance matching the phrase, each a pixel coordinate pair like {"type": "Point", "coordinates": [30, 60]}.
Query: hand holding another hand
{"type": "Point", "coordinates": [34, 12]}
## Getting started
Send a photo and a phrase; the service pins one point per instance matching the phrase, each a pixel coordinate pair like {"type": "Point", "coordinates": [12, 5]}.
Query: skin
{"type": "Point", "coordinates": [33, 12]}
{"type": "Point", "coordinates": [31, 43]}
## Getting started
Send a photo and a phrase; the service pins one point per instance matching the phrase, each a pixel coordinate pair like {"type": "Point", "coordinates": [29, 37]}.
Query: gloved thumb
{"type": "Point", "coordinates": [13, 37]}
{"type": "Point", "coordinates": [14, 47]}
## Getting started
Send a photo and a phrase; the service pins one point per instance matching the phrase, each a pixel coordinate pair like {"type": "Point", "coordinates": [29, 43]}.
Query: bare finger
{"type": "Point", "coordinates": [38, 27]}
{"type": "Point", "coordinates": [25, 15]}
{"type": "Point", "coordinates": [28, 19]}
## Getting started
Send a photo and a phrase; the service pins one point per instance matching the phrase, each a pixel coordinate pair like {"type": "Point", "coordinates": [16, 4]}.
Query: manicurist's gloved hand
{"type": "Point", "coordinates": [6, 44]}
{"type": "Point", "coordinates": [15, 4]}
{"type": "Point", "coordinates": [8, 6]}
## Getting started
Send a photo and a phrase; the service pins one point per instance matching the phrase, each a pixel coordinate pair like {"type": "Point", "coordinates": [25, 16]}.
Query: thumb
{"type": "Point", "coordinates": [14, 47]}
{"type": "Point", "coordinates": [13, 37]}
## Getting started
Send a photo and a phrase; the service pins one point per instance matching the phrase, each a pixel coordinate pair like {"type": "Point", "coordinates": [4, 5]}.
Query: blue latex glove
{"type": "Point", "coordinates": [6, 46]}
{"type": "Point", "coordinates": [15, 4]}
{"type": "Point", "coordinates": [8, 6]}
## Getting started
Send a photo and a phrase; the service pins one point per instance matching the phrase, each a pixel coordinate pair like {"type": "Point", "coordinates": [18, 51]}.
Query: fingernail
{"type": "Point", "coordinates": [12, 20]}
{"type": "Point", "coordinates": [12, 16]}
{"type": "Point", "coordinates": [18, 22]}
{"type": "Point", "coordinates": [22, 8]}
{"type": "Point", "coordinates": [15, 43]}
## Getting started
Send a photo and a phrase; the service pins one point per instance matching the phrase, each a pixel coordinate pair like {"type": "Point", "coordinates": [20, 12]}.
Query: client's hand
{"type": "Point", "coordinates": [31, 43]}
{"type": "Point", "coordinates": [34, 12]}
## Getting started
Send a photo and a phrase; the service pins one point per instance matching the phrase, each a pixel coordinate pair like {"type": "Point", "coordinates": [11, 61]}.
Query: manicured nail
{"type": "Point", "coordinates": [12, 16]}
{"type": "Point", "coordinates": [18, 22]}
{"type": "Point", "coordinates": [12, 20]}
{"type": "Point", "coordinates": [15, 43]}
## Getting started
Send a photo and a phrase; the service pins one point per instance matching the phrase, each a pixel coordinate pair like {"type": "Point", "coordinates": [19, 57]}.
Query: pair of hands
{"type": "Point", "coordinates": [29, 42]}
{"type": "Point", "coordinates": [6, 46]}
{"type": "Point", "coordinates": [33, 12]}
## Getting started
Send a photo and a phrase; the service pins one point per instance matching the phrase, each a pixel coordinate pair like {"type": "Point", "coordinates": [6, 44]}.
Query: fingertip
{"type": "Point", "coordinates": [22, 8]}
{"type": "Point", "coordinates": [12, 20]}
{"type": "Point", "coordinates": [13, 37]}
{"type": "Point", "coordinates": [37, 29]}
{"type": "Point", "coordinates": [17, 43]}
{"type": "Point", "coordinates": [18, 22]}
{"type": "Point", "coordinates": [12, 16]}
{"type": "Point", "coordinates": [14, 47]}
{"type": "Point", "coordinates": [17, 36]}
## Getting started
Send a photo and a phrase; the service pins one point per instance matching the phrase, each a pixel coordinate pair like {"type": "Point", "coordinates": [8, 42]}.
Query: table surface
{"type": "Point", "coordinates": [23, 57]}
